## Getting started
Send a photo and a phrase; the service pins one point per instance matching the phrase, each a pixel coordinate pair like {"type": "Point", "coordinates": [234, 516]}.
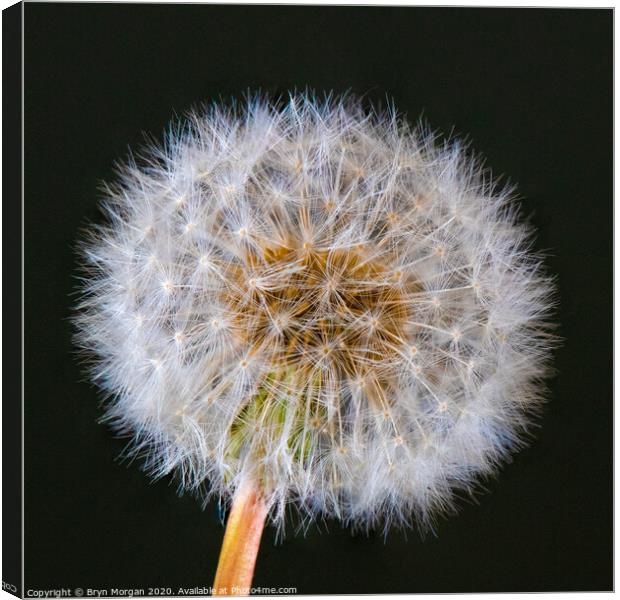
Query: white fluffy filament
{"type": "Point", "coordinates": [319, 299]}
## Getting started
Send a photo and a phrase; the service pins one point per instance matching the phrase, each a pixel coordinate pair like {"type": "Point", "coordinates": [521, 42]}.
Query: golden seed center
{"type": "Point", "coordinates": [308, 307]}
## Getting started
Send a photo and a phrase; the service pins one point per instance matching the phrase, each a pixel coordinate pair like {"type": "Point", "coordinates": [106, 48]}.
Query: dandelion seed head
{"type": "Point", "coordinates": [323, 300]}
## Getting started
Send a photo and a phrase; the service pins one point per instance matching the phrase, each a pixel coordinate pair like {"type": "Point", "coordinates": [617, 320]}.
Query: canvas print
{"type": "Point", "coordinates": [316, 300]}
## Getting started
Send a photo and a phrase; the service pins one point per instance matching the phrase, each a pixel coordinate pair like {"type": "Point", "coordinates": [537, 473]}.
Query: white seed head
{"type": "Point", "coordinates": [319, 299]}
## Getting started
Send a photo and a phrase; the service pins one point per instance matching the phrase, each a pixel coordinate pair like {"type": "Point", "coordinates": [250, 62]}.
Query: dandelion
{"type": "Point", "coordinates": [314, 305]}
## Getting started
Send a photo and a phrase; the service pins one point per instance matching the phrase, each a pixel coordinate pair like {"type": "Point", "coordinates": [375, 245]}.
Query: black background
{"type": "Point", "coordinates": [532, 88]}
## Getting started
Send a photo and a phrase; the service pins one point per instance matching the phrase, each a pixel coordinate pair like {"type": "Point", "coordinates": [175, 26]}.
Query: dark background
{"type": "Point", "coordinates": [531, 88]}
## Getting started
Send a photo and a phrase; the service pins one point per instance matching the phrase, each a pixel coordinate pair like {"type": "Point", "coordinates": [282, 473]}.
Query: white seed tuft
{"type": "Point", "coordinates": [319, 299]}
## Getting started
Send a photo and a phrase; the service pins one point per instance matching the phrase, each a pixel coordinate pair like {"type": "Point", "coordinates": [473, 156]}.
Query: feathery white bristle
{"type": "Point", "coordinates": [319, 299]}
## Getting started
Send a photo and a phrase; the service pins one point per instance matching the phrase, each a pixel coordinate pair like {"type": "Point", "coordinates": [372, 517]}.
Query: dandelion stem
{"type": "Point", "coordinates": [241, 541]}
